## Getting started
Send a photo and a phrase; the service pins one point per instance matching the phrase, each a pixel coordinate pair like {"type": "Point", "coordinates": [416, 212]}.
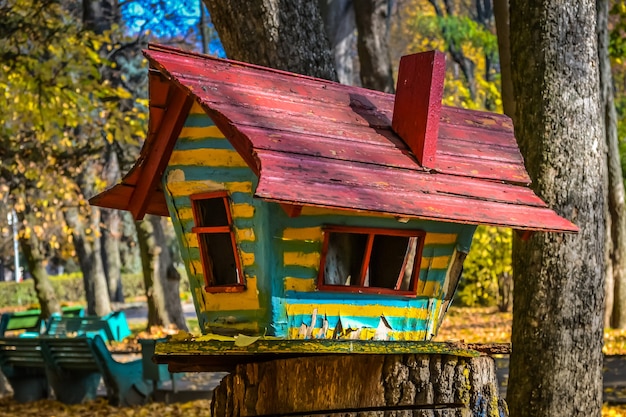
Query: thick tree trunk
{"type": "Point", "coordinates": [87, 244]}
{"type": "Point", "coordinates": [617, 230]}
{"type": "Point", "coordinates": [160, 277]}
{"type": "Point", "coordinates": [286, 35]}
{"type": "Point", "coordinates": [372, 21]}
{"type": "Point", "coordinates": [556, 361]}
{"type": "Point", "coordinates": [341, 385]}
{"type": "Point", "coordinates": [31, 248]}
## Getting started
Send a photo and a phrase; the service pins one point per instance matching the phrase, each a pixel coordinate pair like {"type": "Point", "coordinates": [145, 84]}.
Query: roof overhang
{"type": "Point", "coordinates": [317, 143]}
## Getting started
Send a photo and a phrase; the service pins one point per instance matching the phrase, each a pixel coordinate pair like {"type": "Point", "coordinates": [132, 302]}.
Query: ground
{"type": "Point", "coordinates": [471, 325]}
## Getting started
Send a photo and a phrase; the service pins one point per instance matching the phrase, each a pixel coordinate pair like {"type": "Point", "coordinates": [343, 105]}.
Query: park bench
{"type": "Point", "coordinates": [113, 326]}
{"type": "Point", "coordinates": [23, 364]}
{"type": "Point", "coordinates": [72, 367]}
{"type": "Point", "coordinates": [29, 322]}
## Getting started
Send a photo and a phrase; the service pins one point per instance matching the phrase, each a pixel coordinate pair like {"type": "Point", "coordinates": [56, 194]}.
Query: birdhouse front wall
{"type": "Point", "coordinates": [278, 290]}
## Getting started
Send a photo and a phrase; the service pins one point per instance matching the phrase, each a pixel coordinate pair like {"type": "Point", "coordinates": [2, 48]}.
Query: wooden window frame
{"type": "Point", "coordinates": [371, 233]}
{"type": "Point", "coordinates": [199, 230]}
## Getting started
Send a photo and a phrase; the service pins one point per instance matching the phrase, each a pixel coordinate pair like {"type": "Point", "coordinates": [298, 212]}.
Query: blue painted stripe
{"type": "Point", "coordinates": [203, 143]}
{"type": "Point", "coordinates": [224, 174]}
{"type": "Point", "coordinates": [198, 120]}
{"type": "Point", "coordinates": [329, 297]}
{"type": "Point", "coordinates": [296, 271]}
{"type": "Point", "coordinates": [354, 322]}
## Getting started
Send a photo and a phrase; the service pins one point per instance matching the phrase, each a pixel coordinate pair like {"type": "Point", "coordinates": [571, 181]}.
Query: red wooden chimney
{"type": "Point", "coordinates": [418, 103]}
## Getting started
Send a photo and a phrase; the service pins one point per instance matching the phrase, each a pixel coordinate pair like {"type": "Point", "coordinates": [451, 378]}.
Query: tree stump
{"type": "Point", "coordinates": [416, 385]}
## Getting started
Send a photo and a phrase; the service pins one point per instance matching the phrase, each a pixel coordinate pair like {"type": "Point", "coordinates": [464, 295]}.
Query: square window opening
{"type": "Point", "coordinates": [216, 241]}
{"type": "Point", "coordinates": [371, 260]}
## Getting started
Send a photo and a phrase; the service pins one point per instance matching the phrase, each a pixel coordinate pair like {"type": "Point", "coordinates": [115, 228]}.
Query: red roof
{"type": "Point", "coordinates": [314, 142]}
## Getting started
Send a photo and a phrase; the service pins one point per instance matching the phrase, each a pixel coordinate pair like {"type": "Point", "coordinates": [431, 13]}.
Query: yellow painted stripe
{"type": "Point", "coordinates": [245, 300]}
{"type": "Point", "coordinates": [351, 310]}
{"type": "Point", "coordinates": [440, 238]}
{"type": "Point", "coordinates": [310, 260]}
{"type": "Point", "coordinates": [303, 233]}
{"type": "Point", "coordinates": [245, 235]}
{"type": "Point", "coordinates": [195, 265]}
{"type": "Point", "coordinates": [436, 262]}
{"type": "Point", "coordinates": [185, 188]}
{"type": "Point", "coordinates": [429, 288]}
{"type": "Point", "coordinates": [366, 334]}
{"type": "Point", "coordinates": [247, 259]}
{"type": "Point", "coordinates": [192, 240]}
{"type": "Point", "coordinates": [185, 213]}
{"type": "Point", "coordinates": [207, 158]}
{"type": "Point", "coordinates": [319, 211]}
{"type": "Point", "coordinates": [300, 284]}
{"type": "Point", "coordinates": [243, 210]}
{"type": "Point", "coordinates": [196, 108]}
{"type": "Point", "coordinates": [204, 132]}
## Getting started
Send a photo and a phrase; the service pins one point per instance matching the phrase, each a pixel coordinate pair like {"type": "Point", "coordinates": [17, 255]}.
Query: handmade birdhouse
{"type": "Point", "coordinates": [307, 209]}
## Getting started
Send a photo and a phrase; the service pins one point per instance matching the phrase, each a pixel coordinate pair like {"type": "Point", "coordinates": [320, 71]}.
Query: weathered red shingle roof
{"type": "Point", "coordinates": [318, 143]}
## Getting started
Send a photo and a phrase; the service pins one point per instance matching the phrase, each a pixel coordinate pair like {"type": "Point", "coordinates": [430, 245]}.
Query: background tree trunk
{"type": "Point", "coordinates": [617, 230]}
{"type": "Point", "coordinates": [31, 248]}
{"type": "Point", "coordinates": [87, 244]}
{"type": "Point", "coordinates": [111, 234]}
{"type": "Point", "coordinates": [340, 27]}
{"type": "Point", "coordinates": [160, 276]}
{"type": "Point", "coordinates": [286, 35]}
{"type": "Point", "coordinates": [501, 15]}
{"type": "Point", "coordinates": [556, 361]}
{"type": "Point", "coordinates": [372, 21]}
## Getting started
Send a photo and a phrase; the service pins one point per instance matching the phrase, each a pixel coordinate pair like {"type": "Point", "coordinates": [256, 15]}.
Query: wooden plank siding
{"type": "Point", "coordinates": [281, 261]}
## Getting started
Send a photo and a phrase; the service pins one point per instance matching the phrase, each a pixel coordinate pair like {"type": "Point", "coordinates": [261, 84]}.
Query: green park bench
{"type": "Point", "coordinates": [72, 367]}
{"type": "Point", "coordinates": [113, 326]}
{"type": "Point", "coordinates": [29, 322]}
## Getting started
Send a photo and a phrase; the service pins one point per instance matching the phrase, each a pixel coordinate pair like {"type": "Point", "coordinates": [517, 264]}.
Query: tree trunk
{"type": "Point", "coordinates": [112, 233]}
{"type": "Point", "coordinates": [287, 35]}
{"type": "Point", "coordinates": [372, 21]}
{"type": "Point", "coordinates": [31, 248]}
{"type": "Point", "coordinates": [87, 244]}
{"type": "Point", "coordinates": [160, 277]}
{"type": "Point", "coordinates": [377, 385]}
{"type": "Point", "coordinates": [556, 361]}
{"type": "Point", "coordinates": [617, 230]}
{"type": "Point", "coordinates": [340, 27]}
{"type": "Point", "coordinates": [501, 14]}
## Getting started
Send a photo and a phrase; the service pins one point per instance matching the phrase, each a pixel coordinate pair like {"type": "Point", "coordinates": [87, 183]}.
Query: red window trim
{"type": "Point", "coordinates": [198, 230]}
{"type": "Point", "coordinates": [371, 232]}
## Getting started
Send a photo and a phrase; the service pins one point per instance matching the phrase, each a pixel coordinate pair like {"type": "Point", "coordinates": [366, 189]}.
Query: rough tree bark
{"type": "Point", "coordinates": [372, 21]}
{"type": "Point", "coordinates": [403, 385]}
{"type": "Point", "coordinates": [160, 277]}
{"type": "Point", "coordinates": [617, 219]}
{"type": "Point", "coordinates": [287, 35]}
{"type": "Point", "coordinates": [556, 361]}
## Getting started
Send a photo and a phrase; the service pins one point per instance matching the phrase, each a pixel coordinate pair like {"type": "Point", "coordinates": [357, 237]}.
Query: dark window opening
{"type": "Point", "coordinates": [217, 244]}
{"type": "Point", "coordinates": [371, 260]}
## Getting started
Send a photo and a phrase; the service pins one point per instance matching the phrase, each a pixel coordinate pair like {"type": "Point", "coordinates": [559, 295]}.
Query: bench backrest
{"type": "Point", "coordinates": [20, 352]}
{"type": "Point", "coordinates": [30, 321]}
{"type": "Point", "coordinates": [69, 353]}
{"type": "Point", "coordinates": [113, 326]}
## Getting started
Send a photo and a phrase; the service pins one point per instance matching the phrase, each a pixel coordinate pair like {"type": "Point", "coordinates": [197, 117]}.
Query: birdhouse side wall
{"type": "Point", "coordinates": [204, 162]}
{"type": "Point", "coordinates": [302, 310]}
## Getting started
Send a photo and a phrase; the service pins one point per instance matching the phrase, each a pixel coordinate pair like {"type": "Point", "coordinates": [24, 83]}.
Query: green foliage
{"type": "Point", "coordinates": [488, 262]}
{"type": "Point", "coordinates": [68, 288]}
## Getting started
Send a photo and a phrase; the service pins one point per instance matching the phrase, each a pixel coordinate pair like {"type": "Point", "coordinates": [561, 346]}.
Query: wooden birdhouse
{"type": "Point", "coordinates": [307, 209]}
